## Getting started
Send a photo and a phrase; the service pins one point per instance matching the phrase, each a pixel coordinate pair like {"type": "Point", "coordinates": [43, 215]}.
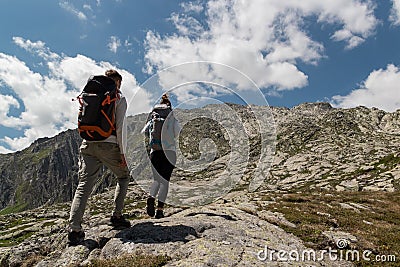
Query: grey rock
{"type": "Point", "coordinates": [349, 185]}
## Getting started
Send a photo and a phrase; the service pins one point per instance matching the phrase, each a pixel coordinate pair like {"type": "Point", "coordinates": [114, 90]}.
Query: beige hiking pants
{"type": "Point", "coordinates": [93, 155]}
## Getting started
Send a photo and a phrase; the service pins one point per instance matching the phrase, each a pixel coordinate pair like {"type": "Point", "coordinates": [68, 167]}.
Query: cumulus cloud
{"type": "Point", "coordinates": [266, 39]}
{"type": "Point", "coordinates": [395, 13]}
{"type": "Point", "coordinates": [39, 48]}
{"type": "Point", "coordinates": [114, 44]}
{"type": "Point", "coordinates": [186, 25]}
{"type": "Point", "coordinates": [343, 35]}
{"type": "Point", "coordinates": [71, 9]}
{"type": "Point", "coordinates": [379, 90]}
{"type": "Point", "coordinates": [8, 101]}
{"type": "Point", "coordinates": [45, 101]}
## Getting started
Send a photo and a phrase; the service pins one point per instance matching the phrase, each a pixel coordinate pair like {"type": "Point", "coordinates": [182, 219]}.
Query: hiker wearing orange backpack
{"type": "Point", "coordinates": [101, 124]}
{"type": "Point", "coordinates": [162, 129]}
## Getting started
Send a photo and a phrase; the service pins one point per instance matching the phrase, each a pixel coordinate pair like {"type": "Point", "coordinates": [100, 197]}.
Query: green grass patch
{"type": "Point", "coordinates": [14, 209]}
{"type": "Point", "coordinates": [41, 154]}
{"type": "Point", "coordinates": [389, 161]}
{"type": "Point", "coordinates": [12, 223]}
{"type": "Point", "coordinates": [19, 228]}
{"type": "Point", "coordinates": [9, 242]}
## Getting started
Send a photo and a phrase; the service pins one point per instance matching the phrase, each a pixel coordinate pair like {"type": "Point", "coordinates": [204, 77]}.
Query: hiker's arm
{"type": "Point", "coordinates": [146, 129]}
{"type": "Point", "coordinates": [121, 125]}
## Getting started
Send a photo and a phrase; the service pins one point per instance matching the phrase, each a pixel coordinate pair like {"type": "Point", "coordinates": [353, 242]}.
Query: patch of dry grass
{"type": "Point", "coordinates": [375, 223]}
{"type": "Point", "coordinates": [137, 259]}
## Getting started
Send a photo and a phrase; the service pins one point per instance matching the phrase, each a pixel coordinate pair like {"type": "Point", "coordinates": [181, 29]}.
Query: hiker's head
{"type": "Point", "coordinates": [165, 100]}
{"type": "Point", "coordinates": [113, 74]}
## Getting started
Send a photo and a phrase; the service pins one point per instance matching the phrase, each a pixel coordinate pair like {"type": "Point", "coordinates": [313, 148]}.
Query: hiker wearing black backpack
{"type": "Point", "coordinates": [101, 125]}
{"type": "Point", "coordinates": [162, 129]}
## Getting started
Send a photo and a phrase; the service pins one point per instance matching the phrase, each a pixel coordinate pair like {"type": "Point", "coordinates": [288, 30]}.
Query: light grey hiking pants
{"type": "Point", "coordinates": [92, 157]}
{"type": "Point", "coordinates": [163, 163]}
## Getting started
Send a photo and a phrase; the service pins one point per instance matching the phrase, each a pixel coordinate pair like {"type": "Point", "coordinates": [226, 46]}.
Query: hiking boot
{"type": "Point", "coordinates": [150, 207]}
{"type": "Point", "coordinates": [119, 221]}
{"type": "Point", "coordinates": [159, 214]}
{"type": "Point", "coordinates": [76, 237]}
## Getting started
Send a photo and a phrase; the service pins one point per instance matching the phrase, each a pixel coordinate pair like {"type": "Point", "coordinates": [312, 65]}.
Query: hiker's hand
{"type": "Point", "coordinates": [123, 161]}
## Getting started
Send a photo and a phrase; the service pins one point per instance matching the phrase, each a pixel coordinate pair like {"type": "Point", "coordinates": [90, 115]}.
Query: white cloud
{"type": "Point", "coordinates": [187, 25]}
{"type": "Point", "coordinates": [71, 9]}
{"type": "Point", "coordinates": [88, 7]}
{"type": "Point", "coordinates": [114, 44]}
{"type": "Point", "coordinates": [45, 101]}
{"type": "Point", "coordinates": [128, 45]}
{"type": "Point", "coordinates": [6, 119]}
{"type": "Point", "coordinates": [381, 90]}
{"type": "Point", "coordinates": [38, 48]}
{"type": "Point", "coordinates": [4, 150]}
{"type": "Point", "coordinates": [343, 35]}
{"type": "Point", "coordinates": [395, 13]}
{"type": "Point", "coordinates": [76, 70]}
{"type": "Point", "coordinates": [196, 7]}
{"type": "Point", "coordinates": [265, 39]}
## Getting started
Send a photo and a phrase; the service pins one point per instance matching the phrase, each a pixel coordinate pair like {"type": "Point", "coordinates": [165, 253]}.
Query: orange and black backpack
{"type": "Point", "coordinates": [96, 117]}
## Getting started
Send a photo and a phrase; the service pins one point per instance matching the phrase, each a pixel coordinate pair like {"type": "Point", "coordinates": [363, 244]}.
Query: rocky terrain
{"type": "Point", "coordinates": [335, 149]}
{"type": "Point", "coordinates": [334, 177]}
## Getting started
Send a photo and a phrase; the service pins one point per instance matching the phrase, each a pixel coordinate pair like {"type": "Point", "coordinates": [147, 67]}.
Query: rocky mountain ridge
{"type": "Point", "coordinates": [46, 172]}
{"type": "Point", "coordinates": [337, 149]}
{"type": "Point", "coordinates": [334, 149]}
{"type": "Point", "coordinates": [326, 163]}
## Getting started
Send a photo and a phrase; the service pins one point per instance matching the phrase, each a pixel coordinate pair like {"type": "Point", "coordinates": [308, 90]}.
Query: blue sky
{"type": "Point", "coordinates": [345, 52]}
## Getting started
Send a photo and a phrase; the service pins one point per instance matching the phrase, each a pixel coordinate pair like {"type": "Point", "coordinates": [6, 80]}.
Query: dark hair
{"type": "Point", "coordinates": [113, 74]}
{"type": "Point", "coordinates": [165, 100]}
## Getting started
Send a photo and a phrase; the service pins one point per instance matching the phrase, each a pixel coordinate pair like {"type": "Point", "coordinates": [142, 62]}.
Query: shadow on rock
{"type": "Point", "coordinates": [90, 244]}
{"type": "Point", "coordinates": [226, 217]}
{"type": "Point", "coordinates": [148, 232]}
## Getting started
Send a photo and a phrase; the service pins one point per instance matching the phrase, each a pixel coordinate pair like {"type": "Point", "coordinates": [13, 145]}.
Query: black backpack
{"type": "Point", "coordinates": [158, 117]}
{"type": "Point", "coordinates": [96, 117]}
